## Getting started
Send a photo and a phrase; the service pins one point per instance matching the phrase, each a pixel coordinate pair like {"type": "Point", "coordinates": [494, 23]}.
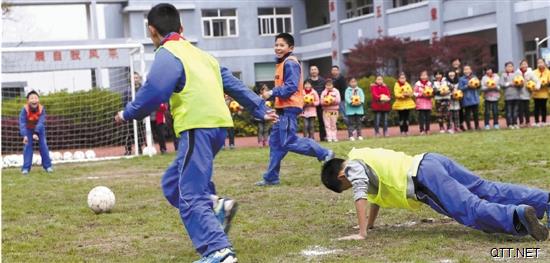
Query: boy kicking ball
{"type": "Point", "coordinates": [195, 84]}
{"type": "Point", "coordinates": [392, 179]}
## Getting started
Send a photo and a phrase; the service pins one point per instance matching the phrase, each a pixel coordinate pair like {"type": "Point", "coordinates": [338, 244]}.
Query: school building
{"type": "Point", "coordinates": [241, 33]}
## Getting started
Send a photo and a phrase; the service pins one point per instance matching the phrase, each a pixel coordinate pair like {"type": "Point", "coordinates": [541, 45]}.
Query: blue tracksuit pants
{"type": "Point", "coordinates": [283, 139]}
{"type": "Point", "coordinates": [28, 150]}
{"type": "Point", "coordinates": [187, 184]}
{"type": "Point", "coordinates": [454, 191]}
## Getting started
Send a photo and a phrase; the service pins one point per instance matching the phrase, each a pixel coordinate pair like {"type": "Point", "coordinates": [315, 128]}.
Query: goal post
{"type": "Point", "coordinates": [81, 87]}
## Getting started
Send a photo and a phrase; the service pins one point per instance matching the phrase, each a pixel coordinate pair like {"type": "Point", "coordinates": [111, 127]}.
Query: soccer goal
{"type": "Point", "coordinates": [81, 88]}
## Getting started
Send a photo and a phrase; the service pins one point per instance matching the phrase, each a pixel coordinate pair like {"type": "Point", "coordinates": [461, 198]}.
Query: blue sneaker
{"type": "Point", "coordinates": [267, 183]}
{"type": "Point", "coordinates": [25, 172]}
{"type": "Point", "coordinates": [225, 211]}
{"type": "Point", "coordinates": [497, 127]}
{"type": "Point", "coordinates": [528, 218]}
{"type": "Point", "coordinates": [226, 255]}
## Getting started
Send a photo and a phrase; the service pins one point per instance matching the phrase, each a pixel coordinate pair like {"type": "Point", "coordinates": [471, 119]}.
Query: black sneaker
{"type": "Point", "coordinates": [528, 218]}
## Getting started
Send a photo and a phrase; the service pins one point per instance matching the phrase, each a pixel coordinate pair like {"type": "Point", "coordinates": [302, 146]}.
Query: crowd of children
{"type": "Point", "coordinates": [453, 97]}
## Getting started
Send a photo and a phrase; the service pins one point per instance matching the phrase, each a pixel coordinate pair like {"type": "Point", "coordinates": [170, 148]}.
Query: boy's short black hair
{"type": "Point", "coordinates": [288, 38]}
{"type": "Point", "coordinates": [489, 67]}
{"type": "Point", "coordinates": [32, 92]}
{"type": "Point", "coordinates": [508, 63]}
{"type": "Point", "coordinates": [438, 72]}
{"type": "Point", "coordinates": [329, 81]}
{"type": "Point", "coordinates": [165, 18]}
{"type": "Point", "coordinates": [336, 67]}
{"type": "Point", "coordinates": [329, 174]}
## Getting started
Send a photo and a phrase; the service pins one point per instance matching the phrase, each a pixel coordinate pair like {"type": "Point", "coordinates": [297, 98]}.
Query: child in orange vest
{"type": "Point", "coordinates": [289, 101]}
{"type": "Point", "coordinates": [32, 121]}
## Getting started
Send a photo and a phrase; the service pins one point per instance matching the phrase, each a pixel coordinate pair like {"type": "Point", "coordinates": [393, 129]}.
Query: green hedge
{"type": "Point", "coordinates": [78, 119]}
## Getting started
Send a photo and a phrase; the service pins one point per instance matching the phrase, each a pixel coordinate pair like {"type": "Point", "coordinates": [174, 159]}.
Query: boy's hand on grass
{"type": "Point", "coordinates": [25, 140]}
{"type": "Point", "coordinates": [352, 237]}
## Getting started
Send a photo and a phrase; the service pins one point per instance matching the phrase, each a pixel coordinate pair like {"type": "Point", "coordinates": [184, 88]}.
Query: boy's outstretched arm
{"type": "Point", "coordinates": [164, 78]}
{"type": "Point", "coordinates": [236, 89]}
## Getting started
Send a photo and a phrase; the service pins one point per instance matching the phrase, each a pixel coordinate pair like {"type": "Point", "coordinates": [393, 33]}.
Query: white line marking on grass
{"type": "Point", "coordinates": [92, 177]}
{"type": "Point", "coordinates": [318, 251]}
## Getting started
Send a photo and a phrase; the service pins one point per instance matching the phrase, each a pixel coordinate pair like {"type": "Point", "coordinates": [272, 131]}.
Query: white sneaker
{"type": "Point", "coordinates": [351, 139]}
{"type": "Point", "coordinates": [360, 138]}
{"type": "Point", "coordinates": [441, 131]}
{"type": "Point", "coordinates": [335, 140]}
{"type": "Point", "coordinates": [451, 131]}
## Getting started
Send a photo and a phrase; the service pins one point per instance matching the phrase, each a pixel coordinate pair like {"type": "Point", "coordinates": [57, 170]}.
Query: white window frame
{"type": "Point", "coordinates": [227, 19]}
{"type": "Point", "coordinates": [145, 26]}
{"type": "Point", "coordinates": [359, 9]}
{"type": "Point", "coordinates": [274, 17]}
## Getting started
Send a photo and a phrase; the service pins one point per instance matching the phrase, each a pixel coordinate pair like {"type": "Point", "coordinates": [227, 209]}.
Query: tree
{"type": "Point", "coordinates": [376, 56]}
{"type": "Point", "coordinates": [388, 55]}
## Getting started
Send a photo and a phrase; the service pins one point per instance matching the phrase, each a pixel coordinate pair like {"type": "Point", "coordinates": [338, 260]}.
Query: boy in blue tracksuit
{"type": "Point", "coordinates": [391, 179]}
{"type": "Point", "coordinates": [32, 121]}
{"type": "Point", "coordinates": [288, 93]}
{"type": "Point", "coordinates": [195, 84]}
{"type": "Point", "coordinates": [470, 101]}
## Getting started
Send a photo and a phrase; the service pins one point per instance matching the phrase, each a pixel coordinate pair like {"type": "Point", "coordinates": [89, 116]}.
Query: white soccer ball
{"type": "Point", "coordinates": [36, 159]}
{"type": "Point", "coordinates": [101, 199]}
{"type": "Point", "coordinates": [149, 151]}
{"type": "Point", "coordinates": [79, 155]}
{"type": "Point", "coordinates": [56, 156]}
{"type": "Point", "coordinates": [6, 162]}
{"type": "Point", "coordinates": [67, 156]}
{"type": "Point", "coordinates": [18, 160]}
{"type": "Point", "coordinates": [90, 154]}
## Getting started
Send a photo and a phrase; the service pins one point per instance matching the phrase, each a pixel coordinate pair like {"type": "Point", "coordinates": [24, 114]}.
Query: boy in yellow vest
{"type": "Point", "coordinates": [289, 101]}
{"type": "Point", "coordinates": [194, 83]}
{"type": "Point", "coordinates": [392, 179]}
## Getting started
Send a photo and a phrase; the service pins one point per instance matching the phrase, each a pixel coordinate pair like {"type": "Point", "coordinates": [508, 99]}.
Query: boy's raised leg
{"type": "Point", "coordinates": [192, 170]}
{"type": "Point", "coordinates": [453, 198]}
{"type": "Point", "coordinates": [496, 192]}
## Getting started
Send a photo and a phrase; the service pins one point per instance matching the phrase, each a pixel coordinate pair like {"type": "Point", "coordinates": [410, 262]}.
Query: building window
{"type": "Point", "coordinates": [398, 3]}
{"type": "Point", "coordinates": [359, 8]}
{"type": "Point", "coordinates": [272, 21]}
{"type": "Point", "coordinates": [219, 23]}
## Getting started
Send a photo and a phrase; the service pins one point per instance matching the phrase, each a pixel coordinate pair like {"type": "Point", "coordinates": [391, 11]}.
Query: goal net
{"type": "Point", "coordinates": [81, 89]}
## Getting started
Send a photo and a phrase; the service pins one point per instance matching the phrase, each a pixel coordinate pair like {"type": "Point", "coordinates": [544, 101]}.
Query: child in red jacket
{"type": "Point", "coordinates": [380, 104]}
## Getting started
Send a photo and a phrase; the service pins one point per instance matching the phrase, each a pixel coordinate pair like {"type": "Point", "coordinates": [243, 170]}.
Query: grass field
{"type": "Point", "coordinates": [45, 217]}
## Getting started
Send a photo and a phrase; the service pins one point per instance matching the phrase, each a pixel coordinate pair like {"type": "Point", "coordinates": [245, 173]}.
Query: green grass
{"type": "Point", "coordinates": [45, 217]}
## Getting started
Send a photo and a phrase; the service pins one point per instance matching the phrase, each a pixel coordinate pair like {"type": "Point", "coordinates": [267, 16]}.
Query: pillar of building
{"type": "Point", "coordinates": [509, 37]}
{"type": "Point", "coordinates": [380, 16]}
{"type": "Point", "coordinates": [337, 11]}
{"type": "Point", "coordinates": [435, 8]}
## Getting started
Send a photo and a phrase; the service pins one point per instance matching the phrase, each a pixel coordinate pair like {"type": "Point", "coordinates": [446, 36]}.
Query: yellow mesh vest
{"type": "Point", "coordinates": [201, 103]}
{"type": "Point", "coordinates": [392, 169]}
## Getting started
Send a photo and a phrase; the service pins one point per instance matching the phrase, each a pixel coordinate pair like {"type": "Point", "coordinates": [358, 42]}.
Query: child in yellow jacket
{"type": "Point", "coordinates": [404, 102]}
{"type": "Point", "coordinates": [540, 96]}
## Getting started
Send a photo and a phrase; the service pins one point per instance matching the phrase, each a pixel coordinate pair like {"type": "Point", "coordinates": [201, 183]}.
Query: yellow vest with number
{"type": "Point", "coordinates": [393, 169]}
{"type": "Point", "coordinates": [201, 103]}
